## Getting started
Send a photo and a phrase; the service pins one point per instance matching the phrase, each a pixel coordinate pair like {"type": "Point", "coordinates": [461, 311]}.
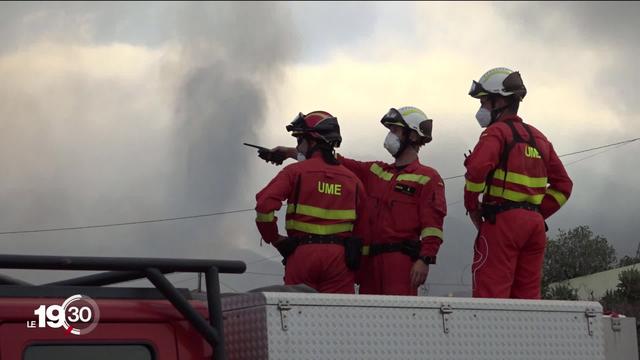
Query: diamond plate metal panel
{"type": "Point", "coordinates": [322, 326]}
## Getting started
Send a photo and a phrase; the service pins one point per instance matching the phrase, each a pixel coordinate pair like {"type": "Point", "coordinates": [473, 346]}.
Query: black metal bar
{"type": "Point", "coordinates": [161, 283]}
{"type": "Point", "coordinates": [117, 263]}
{"type": "Point", "coordinates": [103, 278]}
{"type": "Point", "coordinates": [8, 280]}
{"type": "Point", "coordinates": [215, 310]}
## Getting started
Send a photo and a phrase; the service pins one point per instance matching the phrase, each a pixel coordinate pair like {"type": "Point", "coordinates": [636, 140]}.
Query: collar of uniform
{"type": "Point", "coordinates": [512, 117]}
{"type": "Point", "coordinates": [316, 154]}
{"type": "Point", "coordinates": [409, 168]}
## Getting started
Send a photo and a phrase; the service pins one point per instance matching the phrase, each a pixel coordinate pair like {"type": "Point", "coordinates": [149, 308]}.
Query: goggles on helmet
{"type": "Point", "coordinates": [477, 89]}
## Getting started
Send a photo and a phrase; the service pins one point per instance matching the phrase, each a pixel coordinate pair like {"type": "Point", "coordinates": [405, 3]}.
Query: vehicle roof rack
{"type": "Point", "coordinates": [120, 269]}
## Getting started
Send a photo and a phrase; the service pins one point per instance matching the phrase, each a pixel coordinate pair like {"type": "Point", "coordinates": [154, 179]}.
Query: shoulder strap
{"type": "Point", "coordinates": [296, 193]}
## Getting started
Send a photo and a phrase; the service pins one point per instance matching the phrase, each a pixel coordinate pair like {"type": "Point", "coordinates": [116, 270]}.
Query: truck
{"type": "Point", "coordinates": [89, 317]}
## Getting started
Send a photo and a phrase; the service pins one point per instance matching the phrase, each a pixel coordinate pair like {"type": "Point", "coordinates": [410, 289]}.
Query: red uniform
{"type": "Point", "coordinates": [322, 200]}
{"type": "Point", "coordinates": [404, 204]}
{"type": "Point", "coordinates": [513, 172]}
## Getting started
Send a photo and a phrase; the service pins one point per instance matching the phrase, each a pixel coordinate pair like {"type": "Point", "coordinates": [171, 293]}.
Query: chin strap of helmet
{"type": "Point", "coordinates": [496, 113]}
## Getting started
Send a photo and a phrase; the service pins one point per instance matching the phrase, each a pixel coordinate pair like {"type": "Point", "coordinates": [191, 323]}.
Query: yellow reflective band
{"type": "Point", "coordinates": [412, 111]}
{"type": "Point", "coordinates": [515, 178]}
{"type": "Point", "coordinates": [560, 198]}
{"type": "Point", "coordinates": [515, 196]}
{"type": "Point", "coordinates": [420, 179]}
{"type": "Point", "coordinates": [318, 229]}
{"type": "Point", "coordinates": [365, 250]}
{"type": "Point", "coordinates": [431, 231]}
{"type": "Point", "coordinates": [474, 187]}
{"type": "Point", "coordinates": [492, 72]}
{"type": "Point", "coordinates": [268, 217]}
{"type": "Point", "coordinates": [376, 169]}
{"type": "Point", "coordinates": [321, 213]}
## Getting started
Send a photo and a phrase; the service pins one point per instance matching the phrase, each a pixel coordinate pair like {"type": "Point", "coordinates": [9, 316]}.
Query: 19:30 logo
{"type": "Point", "coordinates": [78, 315]}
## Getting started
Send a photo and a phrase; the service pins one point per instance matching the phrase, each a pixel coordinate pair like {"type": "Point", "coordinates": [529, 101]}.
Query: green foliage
{"type": "Point", "coordinates": [574, 253]}
{"type": "Point", "coordinates": [561, 292]}
{"type": "Point", "coordinates": [629, 286]}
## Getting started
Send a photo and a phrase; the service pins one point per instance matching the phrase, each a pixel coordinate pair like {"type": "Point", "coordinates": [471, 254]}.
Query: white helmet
{"type": "Point", "coordinates": [409, 117]}
{"type": "Point", "coordinates": [499, 81]}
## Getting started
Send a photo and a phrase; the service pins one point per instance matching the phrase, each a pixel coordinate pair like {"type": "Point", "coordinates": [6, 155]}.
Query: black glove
{"type": "Point", "coordinates": [275, 157]}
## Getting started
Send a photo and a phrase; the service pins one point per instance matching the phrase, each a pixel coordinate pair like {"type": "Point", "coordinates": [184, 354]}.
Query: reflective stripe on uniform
{"type": "Point", "coordinates": [560, 198]}
{"type": "Point", "coordinates": [420, 179]}
{"type": "Point", "coordinates": [431, 231]}
{"type": "Point", "coordinates": [474, 187]}
{"type": "Point", "coordinates": [321, 213]}
{"type": "Point", "coordinates": [532, 182]}
{"type": "Point", "coordinates": [515, 196]}
{"type": "Point", "coordinates": [376, 169]}
{"type": "Point", "coordinates": [265, 217]}
{"type": "Point", "coordinates": [318, 229]}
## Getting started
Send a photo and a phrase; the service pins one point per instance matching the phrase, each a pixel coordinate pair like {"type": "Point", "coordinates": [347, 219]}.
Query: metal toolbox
{"type": "Point", "coordinates": [326, 326]}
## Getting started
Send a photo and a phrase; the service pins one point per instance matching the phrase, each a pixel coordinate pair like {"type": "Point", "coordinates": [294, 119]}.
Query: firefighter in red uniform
{"type": "Point", "coordinates": [325, 209]}
{"type": "Point", "coordinates": [406, 208]}
{"type": "Point", "coordinates": [522, 181]}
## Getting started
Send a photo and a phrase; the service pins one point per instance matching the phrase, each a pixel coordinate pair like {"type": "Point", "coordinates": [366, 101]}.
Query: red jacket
{"type": "Point", "coordinates": [526, 174]}
{"type": "Point", "coordinates": [322, 199]}
{"type": "Point", "coordinates": [407, 204]}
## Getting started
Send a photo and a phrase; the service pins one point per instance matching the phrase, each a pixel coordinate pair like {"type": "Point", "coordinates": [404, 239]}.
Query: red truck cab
{"type": "Point", "coordinates": [161, 323]}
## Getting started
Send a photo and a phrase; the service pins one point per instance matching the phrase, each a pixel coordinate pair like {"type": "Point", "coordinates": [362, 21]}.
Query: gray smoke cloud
{"type": "Point", "coordinates": [610, 29]}
{"type": "Point", "coordinates": [116, 112]}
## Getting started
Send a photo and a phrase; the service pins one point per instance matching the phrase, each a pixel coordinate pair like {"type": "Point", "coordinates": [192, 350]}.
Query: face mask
{"type": "Point", "coordinates": [484, 117]}
{"type": "Point", "coordinates": [392, 143]}
{"type": "Point", "coordinates": [301, 157]}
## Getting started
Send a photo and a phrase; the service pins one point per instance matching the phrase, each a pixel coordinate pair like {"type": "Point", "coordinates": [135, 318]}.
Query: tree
{"type": "Point", "coordinates": [630, 260]}
{"type": "Point", "coordinates": [574, 253]}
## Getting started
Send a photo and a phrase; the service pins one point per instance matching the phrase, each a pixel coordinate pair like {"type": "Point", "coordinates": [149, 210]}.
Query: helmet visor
{"type": "Point", "coordinates": [297, 124]}
{"type": "Point", "coordinates": [393, 117]}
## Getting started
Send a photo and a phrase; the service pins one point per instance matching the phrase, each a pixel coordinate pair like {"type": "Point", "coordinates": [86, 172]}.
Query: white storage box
{"type": "Point", "coordinates": [325, 326]}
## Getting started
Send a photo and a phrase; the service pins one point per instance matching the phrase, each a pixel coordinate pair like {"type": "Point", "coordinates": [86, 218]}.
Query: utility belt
{"type": "Point", "coordinates": [489, 211]}
{"type": "Point", "coordinates": [318, 239]}
{"type": "Point", "coordinates": [352, 247]}
{"type": "Point", "coordinates": [410, 248]}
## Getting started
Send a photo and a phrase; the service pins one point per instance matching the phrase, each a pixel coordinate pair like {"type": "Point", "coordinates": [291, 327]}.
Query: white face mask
{"type": "Point", "coordinates": [301, 157]}
{"type": "Point", "coordinates": [392, 143]}
{"type": "Point", "coordinates": [484, 117]}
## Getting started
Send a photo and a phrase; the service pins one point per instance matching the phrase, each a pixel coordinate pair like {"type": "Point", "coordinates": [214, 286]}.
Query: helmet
{"type": "Point", "coordinates": [410, 118]}
{"type": "Point", "coordinates": [319, 125]}
{"type": "Point", "coordinates": [499, 81]}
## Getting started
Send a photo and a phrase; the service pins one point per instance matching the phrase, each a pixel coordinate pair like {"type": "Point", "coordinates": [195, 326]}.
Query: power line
{"type": "Point", "coordinates": [601, 147]}
{"type": "Point", "coordinates": [225, 284]}
{"type": "Point", "coordinates": [264, 259]}
{"type": "Point", "coordinates": [124, 223]}
{"type": "Point", "coordinates": [592, 155]}
{"type": "Point", "coordinates": [620, 143]}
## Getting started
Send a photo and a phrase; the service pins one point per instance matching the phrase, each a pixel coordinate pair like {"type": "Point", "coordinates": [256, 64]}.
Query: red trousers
{"type": "Point", "coordinates": [508, 256]}
{"type": "Point", "coordinates": [386, 274]}
{"type": "Point", "coordinates": [320, 266]}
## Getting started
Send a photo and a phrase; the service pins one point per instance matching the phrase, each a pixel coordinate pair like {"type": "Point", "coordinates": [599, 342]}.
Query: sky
{"type": "Point", "coordinates": [120, 112]}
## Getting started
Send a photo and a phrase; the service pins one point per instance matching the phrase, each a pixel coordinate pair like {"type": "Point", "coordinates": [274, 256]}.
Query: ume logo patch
{"type": "Point", "coordinates": [330, 189]}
